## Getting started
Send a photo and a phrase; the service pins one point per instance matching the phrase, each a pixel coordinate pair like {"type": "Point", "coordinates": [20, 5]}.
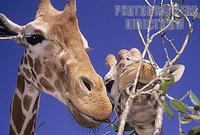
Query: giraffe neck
{"type": "Point", "coordinates": [24, 108]}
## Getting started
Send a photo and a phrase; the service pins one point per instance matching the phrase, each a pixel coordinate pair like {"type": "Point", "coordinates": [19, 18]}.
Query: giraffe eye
{"type": "Point", "coordinates": [35, 39]}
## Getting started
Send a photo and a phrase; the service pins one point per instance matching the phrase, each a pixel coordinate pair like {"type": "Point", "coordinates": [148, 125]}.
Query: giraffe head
{"type": "Point", "coordinates": [56, 61]}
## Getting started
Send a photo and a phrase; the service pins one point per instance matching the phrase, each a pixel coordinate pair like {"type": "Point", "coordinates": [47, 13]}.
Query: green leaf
{"type": "Point", "coordinates": [195, 100]}
{"type": "Point", "coordinates": [185, 120]}
{"type": "Point", "coordinates": [167, 109]}
{"type": "Point", "coordinates": [166, 83]}
{"type": "Point", "coordinates": [194, 131]}
{"type": "Point", "coordinates": [178, 105]}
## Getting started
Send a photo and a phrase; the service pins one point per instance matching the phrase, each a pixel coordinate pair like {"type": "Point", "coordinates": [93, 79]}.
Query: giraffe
{"type": "Point", "coordinates": [120, 77]}
{"type": "Point", "coordinates": [55, 62]}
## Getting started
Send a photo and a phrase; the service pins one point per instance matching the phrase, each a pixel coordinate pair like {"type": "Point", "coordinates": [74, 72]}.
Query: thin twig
{"type": "Point", "coordinates": [151, 59]}
{"type": "Point", "coordinates": [165, 49]}
{"type": "Point", "coordinates": [161, 3]}
{"type": "Point", "coordinates": [148, 3]}
{"type": "Point", "coordinates": [167, 26]}
{"type": "Point", "coordinates": [187, 94]}
{"type": "Point", "coordinates": [140, 34]}
{"type": "Point", "coordinates": [179, 123]}
{"type": "Point", "coordinates": [150, 83]}
{"type": "Point", "coordinates": [169, 97]}
{"type": "Point", "coordinates": [186, 39]}
{"type": "Point", "coordinates": [150, 20]}
{"type": "Point", "coordinates": [171, 42]}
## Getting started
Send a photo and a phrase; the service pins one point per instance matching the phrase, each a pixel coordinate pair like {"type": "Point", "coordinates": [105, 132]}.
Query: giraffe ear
{"type": "Point", "coordinates": [8, 29]}
{"type": "Point", "coordinates": [177, 71]}
{"type": "Point", "coordinates": [70, 8]}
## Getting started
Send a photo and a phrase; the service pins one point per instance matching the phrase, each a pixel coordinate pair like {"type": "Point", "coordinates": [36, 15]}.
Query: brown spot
{"type": "Point", "coordinates": [58, 85]}
{"type": "Point", "coordinates": [11, 131]}
{"type": "Point", "coordinates": [27, 102]}
{"type": "Point", "coordinates": [27, 72]}
{"type": "Point", "coordinates": [61, 76]}
{"type": "Point", "coordinates": [25, 61]}
{"type": "Point", "coordinates": [64, 59]}
{"type": "Point", "coordinates": [39, 86]}
{"type": "Point", "coordinates": [48, 73]}
{"type": "Point", "coordinates": [37, 66]}
{"type": "Point", "coordinates": [17, 114]}
{"type": "Point", "coordinates": [20, 84]}
{"type": "Point", "coordinates": [33, 73]}
{"type": "Point", "coordinates": [35, 107]}
{"type": "Point", "coordinates": [28, 82]}
{"type": "Point", "coordinates": [30, 61]}
{"type": "Point", "coordinates": [30, 126]}
{"type": "Point", "coordinates": [46, 84]}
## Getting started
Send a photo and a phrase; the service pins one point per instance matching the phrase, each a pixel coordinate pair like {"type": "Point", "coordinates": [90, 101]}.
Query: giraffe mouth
{"type": "Point", "coordinates": [83, 119]}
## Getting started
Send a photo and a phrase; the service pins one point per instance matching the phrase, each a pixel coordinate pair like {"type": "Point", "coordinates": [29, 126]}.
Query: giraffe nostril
{"type": "Point", "coordinates": [87, 84]}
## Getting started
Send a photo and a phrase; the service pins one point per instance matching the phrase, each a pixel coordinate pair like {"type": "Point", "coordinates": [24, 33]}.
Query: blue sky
{"type": "Point", "coordinates": [106, 34]}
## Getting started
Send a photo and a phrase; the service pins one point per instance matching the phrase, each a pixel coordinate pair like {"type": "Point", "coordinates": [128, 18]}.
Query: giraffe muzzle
{"type": "Point", "coordinates": [82, 118]}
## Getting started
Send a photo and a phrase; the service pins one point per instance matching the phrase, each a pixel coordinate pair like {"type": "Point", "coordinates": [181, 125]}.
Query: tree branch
{"type": "Point", "coordinates": [159, 117]}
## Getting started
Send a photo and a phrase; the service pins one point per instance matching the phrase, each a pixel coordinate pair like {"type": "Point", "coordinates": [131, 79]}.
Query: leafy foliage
{"type": "Point", "coordinates": [166, 83]}
{"type": "Point", "coordinates": [178, 105]}
{"type": "Point", "coordinates": [167, 109]}
{"type": "Point", "coordinates": [188, 113]}
{"type": "Point", "coordinates": [195, 100]}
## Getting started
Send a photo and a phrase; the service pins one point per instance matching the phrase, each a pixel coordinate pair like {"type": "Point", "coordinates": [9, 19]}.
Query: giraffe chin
{"type": "Point", "coordinates": [81, 118]}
